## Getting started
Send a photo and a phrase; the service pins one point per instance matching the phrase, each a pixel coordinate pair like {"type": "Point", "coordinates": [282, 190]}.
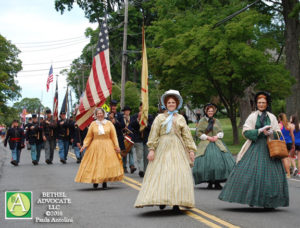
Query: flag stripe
{"type": "Point", "coordinates": [105, 71]}
{"type": "Point", "coordinates": [99, 91]}
{"type": "Point", "coordinates": [99, 83]}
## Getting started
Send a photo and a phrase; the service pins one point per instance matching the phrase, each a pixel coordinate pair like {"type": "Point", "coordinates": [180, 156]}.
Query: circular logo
{"type": "Point", "coordinates": [18, 204]}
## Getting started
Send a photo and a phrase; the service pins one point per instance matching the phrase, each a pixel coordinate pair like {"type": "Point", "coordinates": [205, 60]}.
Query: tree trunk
{"type": "Point", "coordinates": [246, 105]}
{"type": "Point", "coordinates": [292, 33]}
{"type": "Point", "coordinates": [235, 132]}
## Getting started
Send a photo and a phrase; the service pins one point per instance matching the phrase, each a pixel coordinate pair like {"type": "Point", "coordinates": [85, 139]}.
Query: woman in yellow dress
{"type": "Point", "coordinates": [102, 160]}
{"type": "Point", "coordinates": [168, 179]}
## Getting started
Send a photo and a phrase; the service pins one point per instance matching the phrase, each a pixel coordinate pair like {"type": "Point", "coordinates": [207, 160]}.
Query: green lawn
{"type": "Point", "coordinates": [228, 137]}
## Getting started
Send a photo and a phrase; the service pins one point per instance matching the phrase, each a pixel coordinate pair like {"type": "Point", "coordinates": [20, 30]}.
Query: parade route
{"type": "Point", "coordinates": [114, 207]}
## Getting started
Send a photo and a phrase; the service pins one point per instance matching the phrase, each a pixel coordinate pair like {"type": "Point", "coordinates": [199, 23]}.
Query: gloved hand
{"type": "Point", "coordinates": [264, 128]}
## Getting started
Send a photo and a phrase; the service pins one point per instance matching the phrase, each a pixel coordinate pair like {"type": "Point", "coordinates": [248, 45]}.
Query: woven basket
{"type": "Point", "coordinates": [277, 147]}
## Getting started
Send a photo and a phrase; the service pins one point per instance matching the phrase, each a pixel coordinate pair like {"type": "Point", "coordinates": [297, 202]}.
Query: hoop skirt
{"type": "Point", "coordinates": [168, 179]}
{"type": "Point", "coordinates": [100, 162]}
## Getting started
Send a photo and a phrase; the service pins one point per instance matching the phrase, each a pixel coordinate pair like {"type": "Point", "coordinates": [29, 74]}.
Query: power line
{"type": "Point", "coordinates": [50, 41]}
{"type": "Point", "coordinates": [27, 64]}
{"type": "Point", "coordinates": [26, 71]}
{"type": "Point", "coordinates": [55, 44]}
{"type": "Point", "coordinates": [47, 49]}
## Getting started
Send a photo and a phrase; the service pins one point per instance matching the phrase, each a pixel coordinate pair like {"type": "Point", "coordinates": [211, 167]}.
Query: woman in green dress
{"type": "Point", "coordinates": [257, 179]}
{"type": "Point", "coordinates": [213, 162]}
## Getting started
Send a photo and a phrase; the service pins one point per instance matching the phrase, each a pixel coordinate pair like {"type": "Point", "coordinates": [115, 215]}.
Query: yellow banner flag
{"type": "Point", "coordinates": [144, 86]}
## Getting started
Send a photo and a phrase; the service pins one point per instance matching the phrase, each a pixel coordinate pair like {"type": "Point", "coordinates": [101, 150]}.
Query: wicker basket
{"type": "Point", "coordinates": [277, 147]}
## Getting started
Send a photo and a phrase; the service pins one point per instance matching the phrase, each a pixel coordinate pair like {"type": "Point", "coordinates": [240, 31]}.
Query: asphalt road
{"type": "Point", "coordinates": [114, 207]}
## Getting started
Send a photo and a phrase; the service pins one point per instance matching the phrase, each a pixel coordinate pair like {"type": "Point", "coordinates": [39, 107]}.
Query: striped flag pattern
{"type": "Point", "coordinates": [55, 104]}
{"type": "Point", "coordinates": [50, 78]}
{"type": "Point", "coordinates": [99, 84]}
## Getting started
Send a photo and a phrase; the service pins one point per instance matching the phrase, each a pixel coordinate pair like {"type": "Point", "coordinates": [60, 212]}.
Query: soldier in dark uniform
{"type": "Point", "coordinates": [117, 119]}
{"type": "Point", "coordinates": [63, 136]}
{"type": "Point", "coordinates": [49, 137]}
{"type": "Point", "coordinates": [32, 135]}
{"type": "Point", "coordinates": [15, 137]}
{"type": "Point", "coordinates": [79, 136]}
{"type": "Point", "coordinates": [140, 140]}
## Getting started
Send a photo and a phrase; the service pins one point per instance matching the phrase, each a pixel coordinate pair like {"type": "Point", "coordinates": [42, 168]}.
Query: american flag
{"type": "Point", "coordinates": [99, 84]}
{"type": "Point", "coordinates": [50, 78]}
{"type": "Point", "coordinates": [55, 103]}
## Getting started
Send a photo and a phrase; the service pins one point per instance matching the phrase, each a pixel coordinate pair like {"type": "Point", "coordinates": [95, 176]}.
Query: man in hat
{"type": "Point", "coordinates": [32, 136]}
{"type": "Point", "coordinates": [140, 140]}
{"type": "Point", "coordinates": [15, 137]}
{"type": "Point", "coordinates": [127, 133]}
{"type": "Point", "coordinates": [117, 119]}
{"type": "Point", "coordinates": [49, 127]}
{"type": "Point", "coordinates": [63, 136]}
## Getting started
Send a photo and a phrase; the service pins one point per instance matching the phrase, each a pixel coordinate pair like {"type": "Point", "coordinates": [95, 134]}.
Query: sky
{"type": "Point", "coordinates": [44, 37]}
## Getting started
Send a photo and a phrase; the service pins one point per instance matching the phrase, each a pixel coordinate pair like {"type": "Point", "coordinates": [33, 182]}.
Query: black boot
{"type": "Point", "coordinates": [104, 185]}
{"type": "Point", "coordinates": [209, 186]}
{"type": "Point", "coordinates": [218, 186]}
{"type": "Point", "coordinates": [161, 207]}
{"type": "Point", "coordinates": [141, 174]}
{"type": "Point", "coordinates": [14, 162]}
{"type": "Point", "coordinates": [95, 185]}
{"type": "Point", "coordinates": [176, 209]}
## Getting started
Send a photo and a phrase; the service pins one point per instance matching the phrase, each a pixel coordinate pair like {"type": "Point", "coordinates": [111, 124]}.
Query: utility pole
{"type": "Point", "coordinates": [124, 55]}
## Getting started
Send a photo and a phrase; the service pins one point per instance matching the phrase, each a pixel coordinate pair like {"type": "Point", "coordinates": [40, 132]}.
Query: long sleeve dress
{"type": "Point", "coordinates": [100, 162]}
{"type": "Point", "coordinates": [214, 161]}
{"type": "Point", "coordinates": [257, 179]}
{"type": "Point", "coordinates": [168, 179]}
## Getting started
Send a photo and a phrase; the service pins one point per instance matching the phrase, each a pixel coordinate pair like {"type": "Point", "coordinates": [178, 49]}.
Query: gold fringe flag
{"type": "Point", "coordinates": [144, 86]}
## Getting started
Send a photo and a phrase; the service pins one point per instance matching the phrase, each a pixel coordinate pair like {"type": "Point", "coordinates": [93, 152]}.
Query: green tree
{"type": "Point", "coordinates": [32, 105]}
{"type": "Point", "coordinates": [202, 61]}
{"type": "Point", "coordinates": [10, 65]}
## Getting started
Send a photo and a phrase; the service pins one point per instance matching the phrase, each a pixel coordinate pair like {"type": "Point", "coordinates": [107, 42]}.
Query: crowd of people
{"type": "Point", "coordinates": [166, 154]}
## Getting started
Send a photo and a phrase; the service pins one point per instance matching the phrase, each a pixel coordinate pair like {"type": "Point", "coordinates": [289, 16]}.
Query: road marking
{"type": "Point", "coordinates": [197, 217]}
{"type": "Point", "coordinates": [189, 213]}
{"type": "Point", "coordinates": [131, 185]}
{"type": "Point", "coordinates": [214, 218]}
{"type": "Point", "coordinates": [132, 180]}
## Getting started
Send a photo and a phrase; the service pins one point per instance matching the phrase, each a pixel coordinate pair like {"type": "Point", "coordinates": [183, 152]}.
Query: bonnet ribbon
{"type": "Point", "coordinates": [169, 120]}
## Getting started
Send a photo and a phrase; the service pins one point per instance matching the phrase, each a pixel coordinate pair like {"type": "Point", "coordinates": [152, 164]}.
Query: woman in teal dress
{"type": "Point", "coordinates": [213, 162]}
{"type": "Point", "coordinates": [257, 179]}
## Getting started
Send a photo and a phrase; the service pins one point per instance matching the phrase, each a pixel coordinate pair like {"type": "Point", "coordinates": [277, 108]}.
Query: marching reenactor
{"type": "Point", "coordinates": [117, 119]}
{"type": "Point", "coordinates": [63, 136]}
{"type": "Point", "coordinates": [32, 136]}
{"type": "Point", "coordinates": [79, 136]}
{"type": "Point", "coordinates": [15, 138]}
{"type": "Point", "coordinates": [127, 141]}
{"type": "Point", "coordinates": [49, 136]}
{"type": "Point", "coordinates": [140, 140]}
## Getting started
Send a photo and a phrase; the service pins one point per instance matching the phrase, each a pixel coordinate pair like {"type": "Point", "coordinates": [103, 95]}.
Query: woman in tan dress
{"type": "Point", "coordinates": [102, 160]}
{"type": "Point", "coordinates": [168, 179]}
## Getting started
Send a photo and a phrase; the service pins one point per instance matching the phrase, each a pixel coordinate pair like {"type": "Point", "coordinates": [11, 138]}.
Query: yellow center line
{"type": "Point", "coordinates": [131, 185]}
{"type": "Point", "coordinates": [212, 217]}
{"type": "Point", "coordinates": [200, 219]}
{"type": "Point", "coordinates": [196, 210]}
{"type": "Point", "coordinates": [132, 180]}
